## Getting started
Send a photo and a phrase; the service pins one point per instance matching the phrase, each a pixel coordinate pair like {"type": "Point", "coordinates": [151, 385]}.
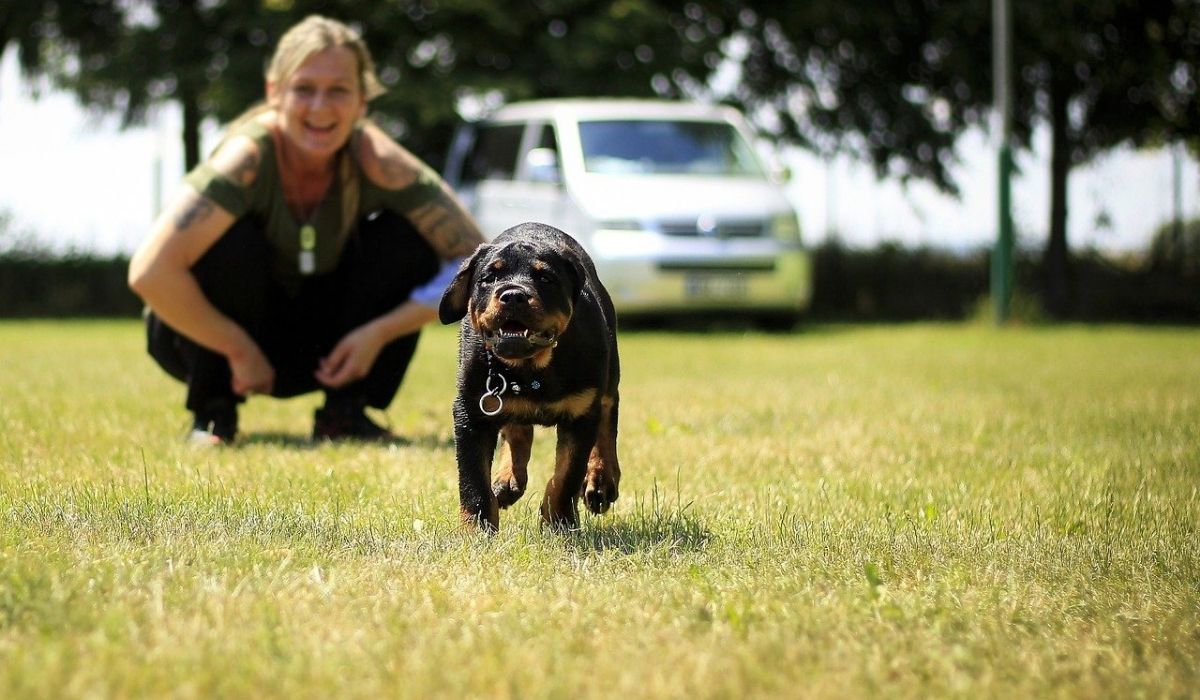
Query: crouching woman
{"type": "Point", "coordinates": [305, 254]}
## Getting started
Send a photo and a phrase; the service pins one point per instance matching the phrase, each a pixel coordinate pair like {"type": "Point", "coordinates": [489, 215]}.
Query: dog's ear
{"type": "Point", "coordinates": [578, 275]}
{"type": "Point", "coordinates": [458, 293]}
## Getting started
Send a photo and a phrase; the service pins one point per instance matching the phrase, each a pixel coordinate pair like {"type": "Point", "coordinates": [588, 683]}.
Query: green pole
{"type": "Point", "coordinates": [1001, 273]}
{"type": "Point", "coordinates": [1002, 276]}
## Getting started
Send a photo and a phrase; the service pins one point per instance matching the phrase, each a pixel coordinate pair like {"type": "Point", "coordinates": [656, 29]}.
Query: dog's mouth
{"type": "Point", "coordinates": [514, 340]}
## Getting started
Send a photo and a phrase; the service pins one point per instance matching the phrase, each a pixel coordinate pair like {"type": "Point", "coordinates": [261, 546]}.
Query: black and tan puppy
{"type": "Point", "coordinates": [538, 345]}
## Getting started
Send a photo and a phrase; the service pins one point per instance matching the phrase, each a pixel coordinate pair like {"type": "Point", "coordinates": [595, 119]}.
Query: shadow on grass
{"type": "Point", "coordinates": [653, 523]}
{"type": "Point", "coordinates": [304, 442]}
{"type": "Point", "coordinates": [676, 533]}
{"type": "Point", "coordinates": [686, 326]}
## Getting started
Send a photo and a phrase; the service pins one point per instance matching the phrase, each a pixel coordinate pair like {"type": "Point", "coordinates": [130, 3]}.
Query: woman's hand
{"type": "Point", "coordinates": [354, 355]}
{"type": "Point", "coordinates": [352, 358]}
{"type": "Point", "coordinates": [252, 372]}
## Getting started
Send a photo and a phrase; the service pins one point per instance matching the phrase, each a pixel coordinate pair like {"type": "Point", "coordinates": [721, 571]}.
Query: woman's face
{"type": "Point", "coordinates": [319, 104]}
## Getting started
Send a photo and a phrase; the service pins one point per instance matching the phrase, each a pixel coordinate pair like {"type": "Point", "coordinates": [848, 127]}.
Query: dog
{"type": "Point", "coordinates": [537, 346]}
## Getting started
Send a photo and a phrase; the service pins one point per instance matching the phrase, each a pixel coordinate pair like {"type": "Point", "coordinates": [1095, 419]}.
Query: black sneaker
{"type": "Point", "coordinates": [216, 424]}
{"type": "Point", "coordinates": [347, 420]}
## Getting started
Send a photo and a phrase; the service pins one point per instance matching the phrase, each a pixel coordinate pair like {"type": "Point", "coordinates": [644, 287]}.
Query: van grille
{"type": "Point", "coordinates": [750, 266]}
{"type": "Point", "coordinates": [722, 229]}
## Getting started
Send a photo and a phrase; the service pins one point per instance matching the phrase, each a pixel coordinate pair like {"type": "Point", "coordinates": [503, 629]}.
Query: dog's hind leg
{"type": "Point", "coordinates": [509, 484]}
{"type": "Point", "coordinates": [559, 507]}
{"type": "Point", "coordinates": [600, 486]}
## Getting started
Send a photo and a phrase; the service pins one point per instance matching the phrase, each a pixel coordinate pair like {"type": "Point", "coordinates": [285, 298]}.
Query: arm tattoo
{"type": "Point", "coordinates": [196, 210]}
{"type": "Point", "coordinates": [448, 228]}
{"type": "Point", "coordinates": [244, 172]}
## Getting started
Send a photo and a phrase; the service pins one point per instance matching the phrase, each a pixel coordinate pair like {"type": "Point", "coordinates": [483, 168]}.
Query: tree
{"type": "Point", "coordinates": [208, 55]}
{"type": "Point", "coordinates": [127, 57]}
{"type": "Point", "coordinates": [1123, 72]}
{"type": "Point", "coordinates": [501, 52]}
{"type": "Point", "coordinates": [45, 29]}
{"type": "Point", "coordinates": [897, 82]}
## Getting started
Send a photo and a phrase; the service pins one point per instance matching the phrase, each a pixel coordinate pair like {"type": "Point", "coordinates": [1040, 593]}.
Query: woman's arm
{"type": "Point", "coordinates": [160, 272]}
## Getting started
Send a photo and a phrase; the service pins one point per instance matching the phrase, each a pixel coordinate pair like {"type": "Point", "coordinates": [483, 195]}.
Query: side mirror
{"type": "Point", "coordinates": [541, 165]}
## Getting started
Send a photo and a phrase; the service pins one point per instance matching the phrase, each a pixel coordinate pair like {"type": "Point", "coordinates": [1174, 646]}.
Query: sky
{"type": "Point", "coordinates": [74, 180]}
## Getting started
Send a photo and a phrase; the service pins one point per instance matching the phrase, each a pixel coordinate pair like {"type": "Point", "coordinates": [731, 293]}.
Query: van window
{"type": "Point", "coordinates": [545, 145]}
{"type": "Point", "coordinates": [666, 147]}
{"type": "Point", "coordinates": [494, 154]}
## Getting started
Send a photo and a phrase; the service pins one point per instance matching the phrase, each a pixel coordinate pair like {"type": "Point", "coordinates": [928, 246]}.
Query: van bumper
{"type": "Point", "coordinates": [769, 280]}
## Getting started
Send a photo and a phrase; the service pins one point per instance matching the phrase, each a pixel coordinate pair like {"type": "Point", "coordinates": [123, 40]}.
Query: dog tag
{"type": "Point", "coordinates": [308, 245]}
{"type": "Point", "coordinates": [308, 262]}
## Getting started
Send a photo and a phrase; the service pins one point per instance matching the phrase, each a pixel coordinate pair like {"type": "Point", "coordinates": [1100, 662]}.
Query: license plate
{"type": "Point", "coordinates": [715, 285]}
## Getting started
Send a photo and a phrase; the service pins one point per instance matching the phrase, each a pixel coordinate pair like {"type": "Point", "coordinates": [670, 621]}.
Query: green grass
{"type": "Point", "coordinates": [844, 512]}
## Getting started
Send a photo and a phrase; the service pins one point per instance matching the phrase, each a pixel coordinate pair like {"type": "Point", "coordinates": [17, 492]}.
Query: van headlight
{"type": "Point", "coordinates": [619, 225]}
{"type": "Point", "coordinates": [786, 227]}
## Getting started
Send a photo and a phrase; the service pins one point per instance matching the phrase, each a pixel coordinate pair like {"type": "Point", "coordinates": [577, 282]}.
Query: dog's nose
{"type": "Point", "coordinates": [514, 296]}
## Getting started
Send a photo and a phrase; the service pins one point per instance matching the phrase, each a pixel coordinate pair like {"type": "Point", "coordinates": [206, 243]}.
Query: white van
{"type": "Point", "coordinates": [669, 198]}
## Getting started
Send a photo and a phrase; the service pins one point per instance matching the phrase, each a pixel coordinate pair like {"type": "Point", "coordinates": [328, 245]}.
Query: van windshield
{"type": "Point", "coordinates": [666, 147]}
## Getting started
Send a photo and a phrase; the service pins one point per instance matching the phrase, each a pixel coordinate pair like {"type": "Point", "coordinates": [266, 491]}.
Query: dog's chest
{"type": "Point", "coordinates": [549, 412]}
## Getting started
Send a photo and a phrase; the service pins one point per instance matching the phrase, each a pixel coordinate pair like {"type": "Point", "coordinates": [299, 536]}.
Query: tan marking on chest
{"type": "Point", "coordinates": [570, 406]}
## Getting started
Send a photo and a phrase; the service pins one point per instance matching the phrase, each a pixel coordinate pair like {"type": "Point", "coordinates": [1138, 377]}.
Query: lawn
{"type": "Point", "coordinates": [905, 511]}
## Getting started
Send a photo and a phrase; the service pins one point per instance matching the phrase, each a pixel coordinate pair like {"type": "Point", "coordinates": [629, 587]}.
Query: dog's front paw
{"type": "Point", "coordinates": [599, 492]}
{"type": "Point", "coordinates": [507, 490]}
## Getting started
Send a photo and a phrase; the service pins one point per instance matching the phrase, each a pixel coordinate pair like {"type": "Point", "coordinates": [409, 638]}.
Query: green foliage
{"type": "Point", "coordinates": [1175, 246]}
{"type": "Point", "coordinates": [37, 280]}
{"type": "Point", "coordinates": [44, 285]}
{"type": "Point", "coordinates": [209, 56]}
{"type": "Point", "coordinates": [885, 283]}
{"type": "Point", "coordinates": [895, 82]}
{"type": "Point", "coordinates": [898, 82]}
{"type": "Point", "coordinates": [917, 511]}
{"type": "Point", "coordinates": [1023, 309]}
{"type": "Point", "coordinates": [893, 283]}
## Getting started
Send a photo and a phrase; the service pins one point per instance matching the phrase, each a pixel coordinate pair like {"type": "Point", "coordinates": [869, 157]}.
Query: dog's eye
{"type": "Point", "coordinates": [546, 278]}
{"type": "Point", "coordinates": [487, 277]}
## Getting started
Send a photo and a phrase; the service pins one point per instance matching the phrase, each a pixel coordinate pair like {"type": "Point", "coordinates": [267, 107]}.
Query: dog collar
{"type": "Point", "coordinates": [496, 385]}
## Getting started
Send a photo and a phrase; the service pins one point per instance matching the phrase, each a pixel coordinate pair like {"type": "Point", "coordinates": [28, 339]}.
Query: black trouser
{"type": "Point", "coordinates": [383, 261]}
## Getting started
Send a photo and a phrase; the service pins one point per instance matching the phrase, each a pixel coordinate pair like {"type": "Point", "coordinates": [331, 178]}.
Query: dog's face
{"type": "Point", "coordinates": [519, 296]}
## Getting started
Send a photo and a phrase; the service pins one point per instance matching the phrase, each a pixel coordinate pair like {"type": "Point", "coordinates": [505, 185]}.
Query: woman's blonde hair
{"type": "Point", "coordinates": [313, 35]}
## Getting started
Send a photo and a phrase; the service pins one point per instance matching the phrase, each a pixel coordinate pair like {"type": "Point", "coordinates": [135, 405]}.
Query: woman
{"type": "Point", "coordinates": [305, 254]}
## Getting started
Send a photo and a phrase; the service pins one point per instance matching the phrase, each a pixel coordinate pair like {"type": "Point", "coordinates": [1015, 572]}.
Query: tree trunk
{"type": "Point", "coordinates": [189, 100]}
{"type": "Point", "coordinates": [1057, 272]}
